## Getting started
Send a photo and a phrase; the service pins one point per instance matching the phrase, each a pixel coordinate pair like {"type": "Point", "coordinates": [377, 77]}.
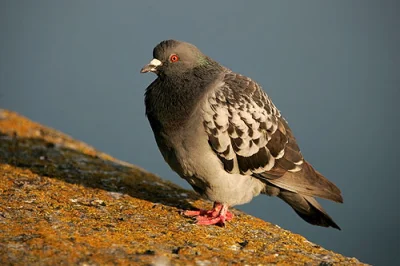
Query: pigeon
{"type": "Point", "coordinates": [220, 131]}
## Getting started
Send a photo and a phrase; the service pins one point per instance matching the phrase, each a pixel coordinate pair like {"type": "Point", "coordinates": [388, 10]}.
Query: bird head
{"type": "Point", "coordinates": [172, 58]}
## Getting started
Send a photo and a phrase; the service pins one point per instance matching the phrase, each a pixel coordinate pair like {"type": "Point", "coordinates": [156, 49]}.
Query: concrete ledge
{"type": "Point", "coordinates": [62, 202]}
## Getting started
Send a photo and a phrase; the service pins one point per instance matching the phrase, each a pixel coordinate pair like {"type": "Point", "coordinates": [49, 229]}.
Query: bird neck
{"type": "Point", "coordinates": [171, 100]}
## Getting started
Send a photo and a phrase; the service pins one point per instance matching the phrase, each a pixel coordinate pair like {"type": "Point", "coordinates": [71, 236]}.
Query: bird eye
{"type": "Point", "coordinates": [173, 58]}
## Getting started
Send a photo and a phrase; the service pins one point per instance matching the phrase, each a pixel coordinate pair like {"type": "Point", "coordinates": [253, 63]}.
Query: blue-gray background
{"type": "Point", "coordinates": [331, 67]}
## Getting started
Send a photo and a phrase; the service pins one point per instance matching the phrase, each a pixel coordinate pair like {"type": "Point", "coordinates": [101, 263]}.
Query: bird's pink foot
{"type": "Point", "coordinates": [218, 215]}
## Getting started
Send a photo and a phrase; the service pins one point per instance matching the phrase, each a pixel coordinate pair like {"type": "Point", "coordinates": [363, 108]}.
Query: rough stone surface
{"type": "Point", "coordinates": [62, 202]}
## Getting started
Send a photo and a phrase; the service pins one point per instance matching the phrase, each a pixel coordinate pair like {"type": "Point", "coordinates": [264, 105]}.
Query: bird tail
{"type": "Point", "coordinates": [307, 208]}
{"type": "Point", "coordinates": [298, 189]}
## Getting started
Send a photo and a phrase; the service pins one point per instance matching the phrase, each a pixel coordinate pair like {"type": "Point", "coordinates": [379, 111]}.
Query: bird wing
{"type": "Point", "coordinates": [250, 137]}
{"type": "Point", "coordinates": [246, 130]}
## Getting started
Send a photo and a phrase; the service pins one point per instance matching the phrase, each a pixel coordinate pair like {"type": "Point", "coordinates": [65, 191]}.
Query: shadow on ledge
{"type": "Point", "coordinates": [54, 160]}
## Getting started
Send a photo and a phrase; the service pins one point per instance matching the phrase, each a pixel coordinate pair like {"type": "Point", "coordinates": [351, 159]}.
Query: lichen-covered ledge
{"type": "Point", "coordinates": [63, 202]}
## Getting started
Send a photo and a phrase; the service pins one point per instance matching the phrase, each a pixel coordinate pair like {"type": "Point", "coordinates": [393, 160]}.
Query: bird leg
{"type": "Point", "coordinates": [218, 215]}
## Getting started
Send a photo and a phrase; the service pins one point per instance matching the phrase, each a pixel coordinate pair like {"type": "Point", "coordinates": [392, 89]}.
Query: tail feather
{"type": "Point", "coordinates": [307, 182]}
{"type": "Point", "coordinates": [308, 209]}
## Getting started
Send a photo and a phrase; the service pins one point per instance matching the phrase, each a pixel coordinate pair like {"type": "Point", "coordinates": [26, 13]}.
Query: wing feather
{"type": "Point", "coordinates": [246, 130]}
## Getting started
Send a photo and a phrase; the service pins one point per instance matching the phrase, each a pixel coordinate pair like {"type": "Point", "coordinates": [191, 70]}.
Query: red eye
{"type": "Point", "coordinates": [173, 58]}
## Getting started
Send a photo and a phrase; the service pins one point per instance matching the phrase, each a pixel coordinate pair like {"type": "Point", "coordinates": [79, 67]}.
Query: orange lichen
{"type": "Point", "coordinates": [63, 202]}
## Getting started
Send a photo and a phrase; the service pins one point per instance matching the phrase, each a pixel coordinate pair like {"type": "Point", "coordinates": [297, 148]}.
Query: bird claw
{"type": "Point", "coordinates": [218, 215]}
{"type": "Point", "coordinates": [200, 212]}
{"type": "Point", "coordinates": [211, 221]}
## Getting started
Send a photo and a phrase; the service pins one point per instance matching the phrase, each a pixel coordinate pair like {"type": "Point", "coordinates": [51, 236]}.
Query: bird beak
{"type": "Point", "coordinates": [152, 66]}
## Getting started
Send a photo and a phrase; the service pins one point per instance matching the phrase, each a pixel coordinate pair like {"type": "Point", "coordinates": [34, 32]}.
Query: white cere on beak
{"type": "Point", "coordinates": [155, 63]}
{"type": "Point", "coordinates": [152, 66]}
